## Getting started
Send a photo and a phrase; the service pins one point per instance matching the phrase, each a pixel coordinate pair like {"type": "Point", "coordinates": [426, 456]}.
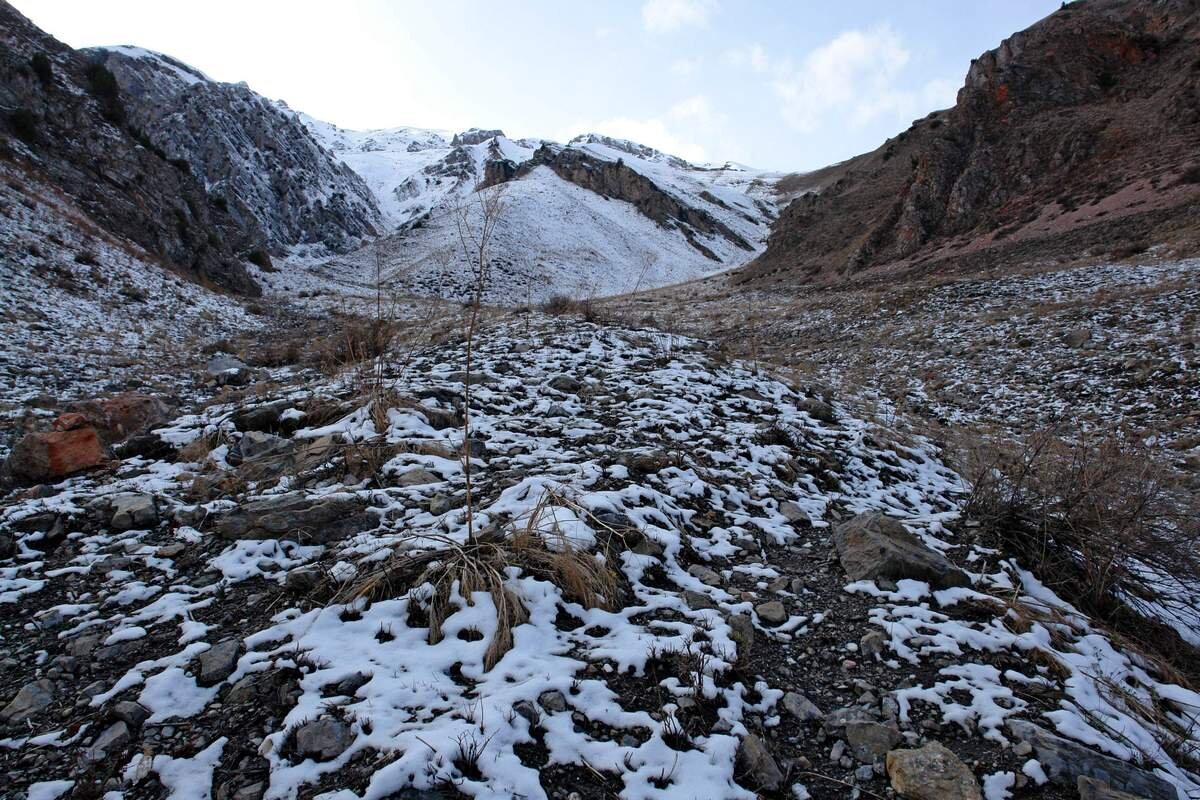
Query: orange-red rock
{"type": "Point", "coordinates": [69, 422]}
{"type": "Point", "coordinates": [46, 456]}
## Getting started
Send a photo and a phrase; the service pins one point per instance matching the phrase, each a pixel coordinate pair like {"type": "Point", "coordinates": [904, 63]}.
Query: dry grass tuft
{"type": "Point", "coordinates": [454, 572]}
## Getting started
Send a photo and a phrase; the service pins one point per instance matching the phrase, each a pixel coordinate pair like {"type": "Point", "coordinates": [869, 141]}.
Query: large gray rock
{"type": "Point", "coordinates": [225, 370]}
{"type": "Point", "coordinates": [931, 773]}
{"type": "Point", "coordinates": [31, 699]}
{"type": "Point", "coordinates": [1065, 761]}
{"type": "Point", "coordinates": [874, 545]}
{"type": "Point", "coordinates": [133, 511]}
{"type": "Point", "coordinates": [323, 739]}
{"type": "Point", "coordinates": [297, 517]}
{"type": "Point", "coordinates": [771, 612]}
{"type": "Point", "coordinates": [757, 766]}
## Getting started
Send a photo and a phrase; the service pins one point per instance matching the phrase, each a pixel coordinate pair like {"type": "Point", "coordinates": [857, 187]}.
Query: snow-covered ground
{"type": "Point", "coordinates": [707, 487]}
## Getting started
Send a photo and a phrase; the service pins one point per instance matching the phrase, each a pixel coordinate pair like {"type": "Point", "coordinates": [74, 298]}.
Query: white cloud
{"type": "Point", "coordinates": [664, 16]}
{"type": "Point", "coordinates": [754, 56]}
{"type": "Point", "coordinates": [685, 66]}
{"type": "Point", "coordinates": [854, 74]}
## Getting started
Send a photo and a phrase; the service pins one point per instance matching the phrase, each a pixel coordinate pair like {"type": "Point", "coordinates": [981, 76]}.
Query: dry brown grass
{"type": "Point", "coordinates": [1099, 522]}
{"type": "Point", "coordinates": [455, 571]}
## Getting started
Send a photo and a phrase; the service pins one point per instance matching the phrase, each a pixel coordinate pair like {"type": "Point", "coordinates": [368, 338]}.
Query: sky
{"type": "Point", "coordinates": [788, 85]}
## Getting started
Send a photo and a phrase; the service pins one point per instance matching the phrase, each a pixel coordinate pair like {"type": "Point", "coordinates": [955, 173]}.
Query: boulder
{"type": "Point", "coordinates": [553, 700]}
{"type": "Point", "coordinates": [297, 517]}
{"type": "Point", "coordinates": [323, 739]}
{"type": "Point", "coordinates": [757, 766]}
{"type": "Point", "coordinates": [133, 511]}
{"type": "Point", "coordinates": [931, 773]}
{"type": "Point", "coordinates": [1065, 761]}
{"type": "Point", "coordinates": [123, 416]}
{"type": "Point", "coordinates": [56, 454]}
{"type": "Point", "coordinates": [874, 545]}
{"type": "Point", "coordinates": [31, 699]}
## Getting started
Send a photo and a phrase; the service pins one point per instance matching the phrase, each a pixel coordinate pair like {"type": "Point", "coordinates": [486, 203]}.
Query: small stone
{"type": "Point", "coordinates": [131, 713]}
{"type": "Point", "coordinates": [757, 765]}
{"type": "Point", "coordinates": [553, 700]}
{"type": "Point", "coordinates": [706, 575]}
{"type": "Point", "coordinates": [529, 711]}
{"type": "Point", "coordinates": [217, 663]}
{"type": "Point", "coordinates": [565, 384]}
{"type": "Point", "coordinates": [323, 739]}
{"type": "Point", "coordinates": [173, 550]}
{"type": "Point", "coordinates": [792, 512]}
{"type": "Point", "coordinates": [837, 751]}
{"type": "Point", "coordinates": [931, 773]}
{"type": "Point", "coordinates": [697, 600]}
{"type": "Point", "coordinates": [801, 707]}
{"type": "Point", "coordinates": [301, 581]}
{"type": "Point", "coordinates": [113, 740]}
{"type": "Point", "coordinates": [772, 613]}
{"type": "Point", "coordinates": [417, 477]}
{"type": "Point", "coordinates": [439, 504]}
{"type": "Point", "coordinates": [31, 699]}
{"type": "Point", "coordinates": [864, 773]}
{"type": "Point", "coordinates": [871, 740]}
{"type": "Point", "coordinates": [741, 630]}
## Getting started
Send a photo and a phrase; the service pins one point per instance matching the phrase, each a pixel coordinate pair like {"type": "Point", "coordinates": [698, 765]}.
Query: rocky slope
{"type": "Point", "coordinates": [1079, 133]}
{"type": "Point", "coordinates": [255, 158]}
{"type": "Point", "coordinates": [782, 599]}
{"type": "Point", "coordinates": [65, 128]}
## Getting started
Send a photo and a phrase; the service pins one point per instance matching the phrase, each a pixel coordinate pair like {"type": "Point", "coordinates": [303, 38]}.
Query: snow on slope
{"type": "Point", "coordinates": [555, 237]}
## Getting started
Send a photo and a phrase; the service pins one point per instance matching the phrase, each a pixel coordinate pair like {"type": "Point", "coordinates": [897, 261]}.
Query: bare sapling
{"type": "Point", "coordinates": [475, 222]}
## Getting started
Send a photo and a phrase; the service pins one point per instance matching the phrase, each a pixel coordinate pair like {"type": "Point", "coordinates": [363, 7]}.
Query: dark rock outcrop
{"type": "Point", "coordinates": [257, 159]}
{"type": "Point", "coordinates": [65, 123]}
{"type": "Point", "coordinates": [874, 545]}
{"type": "Point", "coordinates": [1089, 118]}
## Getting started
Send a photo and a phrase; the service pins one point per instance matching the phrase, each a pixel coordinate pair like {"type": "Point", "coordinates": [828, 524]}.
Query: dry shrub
{"type": "Point", "coordinates": [534, 544]}
{"type": "Point", "coordinates": [1099, 522]}
{"type": "Point", "coordinates": [561, 305]}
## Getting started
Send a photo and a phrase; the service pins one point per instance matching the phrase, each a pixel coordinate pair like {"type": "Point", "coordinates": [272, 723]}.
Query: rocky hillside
{"type": "Point", "coordinates": [255, 159]}
{"type": "Point", "coordinates": [66, 131]}
{"type": "Point", "coordinates": [1078, 134]}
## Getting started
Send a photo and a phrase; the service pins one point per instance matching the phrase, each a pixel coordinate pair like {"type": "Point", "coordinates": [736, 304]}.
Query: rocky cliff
{"type": "Point", "coordinates": [64, 123]}
{"type": "Point", "coordinates": [256, 158]}
{"type": "Point", "coordinates": [1080, 133]}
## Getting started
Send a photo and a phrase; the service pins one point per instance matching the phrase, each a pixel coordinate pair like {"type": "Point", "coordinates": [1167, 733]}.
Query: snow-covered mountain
{"type": "Point", "coordinates": [595, 216]}
{"type": "Point", "coordinates": [270, 172]}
